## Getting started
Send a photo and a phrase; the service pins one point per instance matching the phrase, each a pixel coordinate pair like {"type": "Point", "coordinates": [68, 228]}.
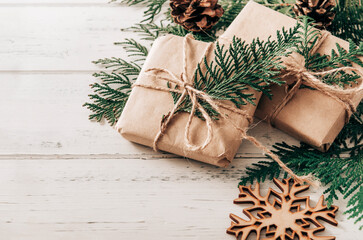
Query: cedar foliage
{"type": "Point", "coordinates": [348, 22]}
{"type": "Point", "coordinates": [112, 91]}
{"type": "Point", "coordinates": [340, 169]}
{"type": "Point", "coordinates": [317, 62]}
{"type": "Point", "coordinates": [238, 67]}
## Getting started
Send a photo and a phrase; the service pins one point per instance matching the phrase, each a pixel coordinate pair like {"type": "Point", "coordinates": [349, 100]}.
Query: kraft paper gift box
{"type": "Point", "coordinates": [310, 116]}
{"type": "Point", "coordinates": [141, 118]}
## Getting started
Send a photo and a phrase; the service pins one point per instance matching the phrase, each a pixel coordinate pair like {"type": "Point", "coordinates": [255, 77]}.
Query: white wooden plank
{"type": "Point", "coordinates": [43, 114]}
{"type": "Point", "coordinates": [125, 199]}
{"type": "Point", "coordinates": [58, 2]}
{"type": "Point", "coordinates": [70, 2]}
{"type": "Point", "coordinates": [45, 38]}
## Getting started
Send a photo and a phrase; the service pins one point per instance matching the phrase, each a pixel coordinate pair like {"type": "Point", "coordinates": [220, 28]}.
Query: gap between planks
{"type": "Point", "coordinates": [141, 156]}
{"type": "Point", "coordinates": [55, 72]}
{"type": "Point", "coordinates": [61, 3]}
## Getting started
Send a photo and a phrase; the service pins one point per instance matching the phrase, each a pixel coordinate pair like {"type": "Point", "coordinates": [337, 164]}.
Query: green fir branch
{"type": "Point", "coordinates": [107, 103]}
{"type": "Point", "coordinates": [348, 21]}
{"type": "Point", "coordinates": [114, 78]}
{"type": "Point", "coordinates": [239, 67]}
{"type": "Point", "coordinates": [134, 49]}
{"type": "Point", "coordinates": [147, 31]}
{"type": "Point", "coordinates": [111, 94]}
{"type": "Point", "coordinates": [338, 58]}
{"type": "Point", "coordinates": [340, 169]}
{"type": "Point", "coordinates": [154, 7]}
{"type": "Point", "coordinates": [341, 175]}
{"type": "Point", "coordinates": [132, 2]}
{"type": "Point", "coordinates": [151, 31]}
{"type": "Point", "coordinates": [308, 38]}
{"type": "Point", "coordinates": [231, 10]}
{"type": "Point", "coordinates": [119, 65]}
{"type": "Point", "coordinates": [282, 6]}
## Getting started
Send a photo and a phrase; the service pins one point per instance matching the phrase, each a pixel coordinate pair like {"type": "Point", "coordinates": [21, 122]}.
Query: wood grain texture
{"type": "Point", "coordinates": [64, 177]}
{"type": "Point", "coordinates": [62, 37]}
{"type": "Point", "coordinates": [39, 2]}
{"type": "Point", "coordinates": [124, 199]}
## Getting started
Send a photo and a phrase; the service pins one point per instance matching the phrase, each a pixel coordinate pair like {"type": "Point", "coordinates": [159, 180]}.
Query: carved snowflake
{"type": "Point", "coordinates": [281, 216]}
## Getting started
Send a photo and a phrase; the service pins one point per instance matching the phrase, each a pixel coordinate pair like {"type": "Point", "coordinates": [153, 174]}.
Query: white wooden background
{"type": "Point", "coordinates": [63, 177]}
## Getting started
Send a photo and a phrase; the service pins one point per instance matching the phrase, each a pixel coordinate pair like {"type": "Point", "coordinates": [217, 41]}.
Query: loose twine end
{"type": "Point", "coordinates": [311, 180]}
{"type": "Point", "coordinates": [300, 179]}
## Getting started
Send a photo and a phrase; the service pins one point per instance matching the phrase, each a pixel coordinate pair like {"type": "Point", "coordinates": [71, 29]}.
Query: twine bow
{"type": "Point", "coordinates": [186, 88]}
{"type": "Point", "coordinates": [308, 78]}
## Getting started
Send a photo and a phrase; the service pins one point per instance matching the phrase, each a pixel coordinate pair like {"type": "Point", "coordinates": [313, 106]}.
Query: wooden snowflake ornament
{"type": "Point", "coordinates": [281, 216]}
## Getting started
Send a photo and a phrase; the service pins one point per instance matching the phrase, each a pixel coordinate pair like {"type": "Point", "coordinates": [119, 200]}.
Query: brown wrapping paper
{"type": "Point", "coordinates": [142, 115]}
{"type": "Point", "coordinates": [311, 116]}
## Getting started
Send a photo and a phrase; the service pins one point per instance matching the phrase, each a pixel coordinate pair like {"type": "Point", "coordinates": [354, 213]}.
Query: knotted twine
{"type": "Point", "coordinates": [186, 88]}
{"type": "Point", "coordinates": [308, 78]}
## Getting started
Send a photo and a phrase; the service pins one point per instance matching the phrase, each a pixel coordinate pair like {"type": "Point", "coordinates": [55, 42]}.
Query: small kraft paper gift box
{"type": "Point", "coordinates": [314, 113]}
{"type": "Point", "coordinates": [151, 103]}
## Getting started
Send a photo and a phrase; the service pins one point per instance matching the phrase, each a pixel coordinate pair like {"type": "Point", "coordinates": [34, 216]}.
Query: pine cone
{"type": "Point", "coordinates": [320, 10]}
{"type": "Point", "coordinates": [196, 15]}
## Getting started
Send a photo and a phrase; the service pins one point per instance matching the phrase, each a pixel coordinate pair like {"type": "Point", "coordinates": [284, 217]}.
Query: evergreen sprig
{"type": "Point", "coordinates": [149, 31]}
{"type": "Point", "coordinates": [241, 66]}
{"type": "Point", "coordinates": [348, 21]}
{"type": "Point", "coordinates": [154, 7]}
{"type": "Point", "coordinates": [341, 175]}
{"type": "Point", "coordinates": [282, 6]}
{"type": "Point", "coordinates": [114, 64]}
{"type": "Point", "coordinates": [231, 10]}
{"type": "Point", "coordinates": [340, 168]}
{"type": "Point", "coordinates": [338, 58]}
{"type": "Point", "coordinates": [134, 49]}
{"type": "Point", "coordinates": [112, 92]}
